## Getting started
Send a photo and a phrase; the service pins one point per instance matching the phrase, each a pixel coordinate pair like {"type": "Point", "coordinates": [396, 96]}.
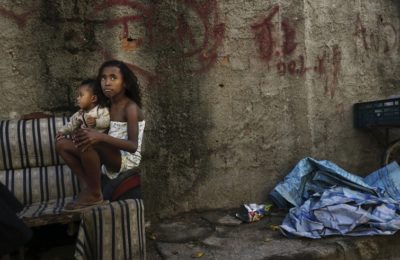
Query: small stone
{"type": "Point", "coordinates": [268, 239]}
{"type": "Point", "coordinates": [197, 255]}
{"type": "Point", "coordinates": [152, 237]}
{"type": "Point", "coordinates": [221, 218]}
{"type": "Point", "coordinates": [274, 227]}
{"type": "Point", "coordinates": [229, 221]}
{"type": "Point", "coordinates": [214, 241]}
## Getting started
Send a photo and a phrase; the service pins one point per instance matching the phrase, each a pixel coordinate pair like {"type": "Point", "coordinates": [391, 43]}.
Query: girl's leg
{"type": "Point", "coordinates": [109, 156]}
{"type": "Point", "coordinates": [86, 166]}
{"type": "Point", "coordinates": [70, 154]}
{"type": "Point", "coordinates": [91, 160]}
{"type": "Point", "coordinates": [91, 164]}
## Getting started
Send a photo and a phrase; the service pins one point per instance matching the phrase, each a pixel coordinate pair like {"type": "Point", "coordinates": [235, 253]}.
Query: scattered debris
{"type": "Point", "coordinates": [197, 255]}
{"type": "Point", "coordinates": [274, 227]}
{"type": "Point", "coordinates": [253, 212]}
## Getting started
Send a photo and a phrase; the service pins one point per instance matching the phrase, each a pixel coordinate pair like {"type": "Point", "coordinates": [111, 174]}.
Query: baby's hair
{"type": "Point", "coordinates": [96, 88]}
{"type": "Point", "coordinates": [129, 78]}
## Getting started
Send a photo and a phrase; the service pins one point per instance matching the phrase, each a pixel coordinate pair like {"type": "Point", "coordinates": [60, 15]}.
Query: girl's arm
{"type": "Point", "coordinates": [86, 137]}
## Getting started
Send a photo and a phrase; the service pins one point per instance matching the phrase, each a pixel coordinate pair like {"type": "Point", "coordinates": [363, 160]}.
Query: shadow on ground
{"type": "Point", "coordinates": [219, 235]}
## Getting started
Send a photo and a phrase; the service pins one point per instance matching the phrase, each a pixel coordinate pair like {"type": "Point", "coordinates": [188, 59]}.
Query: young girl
{"type": "Point", "coordinates": [117, 151]}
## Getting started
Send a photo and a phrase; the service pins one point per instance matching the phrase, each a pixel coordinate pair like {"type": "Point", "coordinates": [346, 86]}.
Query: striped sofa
{"type": "Point", "coordinates": [31, 169]}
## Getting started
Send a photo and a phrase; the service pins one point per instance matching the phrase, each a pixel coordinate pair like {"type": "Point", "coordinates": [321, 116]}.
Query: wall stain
{"type": "Point", "coordinates": [19, 19]}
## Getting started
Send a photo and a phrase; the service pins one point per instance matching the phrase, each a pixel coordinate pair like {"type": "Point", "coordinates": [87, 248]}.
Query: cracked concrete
{"type": "Point", "coordinates": [219, 235]}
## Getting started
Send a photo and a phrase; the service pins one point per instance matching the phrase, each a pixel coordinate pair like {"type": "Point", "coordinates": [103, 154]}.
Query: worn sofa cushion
{"type": "Point", "coordinates": [113, 231]}
{"type": "Point", "coordinates": [29, 143]}
{"type": "Point", "coordinates": [45, 211]}
{"type": "Point", "coordinates": [40, 184]}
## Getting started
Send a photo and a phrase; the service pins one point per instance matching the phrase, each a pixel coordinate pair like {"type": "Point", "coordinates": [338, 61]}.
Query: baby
{"type": "Point", "coordinates": [92, 113]}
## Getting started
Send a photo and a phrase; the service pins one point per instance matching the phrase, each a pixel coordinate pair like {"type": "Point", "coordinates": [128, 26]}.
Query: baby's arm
{"type": "Point", "coordinates": [72, 125]}
{"type": "Point", "coordinates": [103, 118]}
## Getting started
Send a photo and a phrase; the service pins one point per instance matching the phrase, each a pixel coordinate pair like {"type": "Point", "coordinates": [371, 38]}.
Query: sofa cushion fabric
{"type": "Point", "coordinates": [29, 143]}
{"type": "Point", "coordinates": [40, 184]}
{"type": "Point", "coordinates": [112, 231]}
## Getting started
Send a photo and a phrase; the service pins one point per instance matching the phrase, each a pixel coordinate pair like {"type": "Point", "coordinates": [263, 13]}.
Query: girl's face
{"type": "Point", "coordinates": [85, 98]}
{"type": "Point", "coordinates": [112, 82]}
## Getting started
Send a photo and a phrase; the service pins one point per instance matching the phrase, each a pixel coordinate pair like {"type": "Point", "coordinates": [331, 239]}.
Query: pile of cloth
{"type": "Point", "coordinates": [325, 200]}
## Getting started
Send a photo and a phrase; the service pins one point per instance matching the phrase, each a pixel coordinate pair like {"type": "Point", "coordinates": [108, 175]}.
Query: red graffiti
{"type": "Point", "coordinates": [289, 44]}
{"type": "Point", "coordinates": [340, 110]}
{"type": "Point", "coordinates": [328, 65]}
{"type": "Point", "coordinates": [267, 39]}
{"type": "Point", "coordinates": [385, 40]}
{"type": "Point", "coordinates": [214, 33]}
{"type": "Point", "coordinates": [323, 63]}
{"type": "Point", "coordinates": [143, 13]}
{"type": "Point", "coordinates": [320, 66]}
{"type": "Point", "coordinates": [336, 64]}
{"type": "Point", "coordinates": [266, 36]}
{"type": "Point", "coordinates": [263, 34]}
{"type": "Point", "coordinates": [361, 31]}
{"type": "Point", "coordinates": [204, 52]}
{"type": "Point", "coordinates": [184, 31]}
{"type": "Point", "coordinates": [19, 19]}
{"type": "Point", "coordinates": [147, 75]}
{"type": "Point", "coordinates": [293, 67]}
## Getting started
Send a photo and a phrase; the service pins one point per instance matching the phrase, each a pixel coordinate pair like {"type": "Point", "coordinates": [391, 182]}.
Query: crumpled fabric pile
{"type": "Point", "coordinates": [325, 200]}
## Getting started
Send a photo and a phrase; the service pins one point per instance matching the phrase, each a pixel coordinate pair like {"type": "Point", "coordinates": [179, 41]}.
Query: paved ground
{"type": "Point", "coordinates": [219, 235]}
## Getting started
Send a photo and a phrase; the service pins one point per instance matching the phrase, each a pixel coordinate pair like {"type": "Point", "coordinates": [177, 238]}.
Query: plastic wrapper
{"type": "Point", "coordinates": [253, 212]}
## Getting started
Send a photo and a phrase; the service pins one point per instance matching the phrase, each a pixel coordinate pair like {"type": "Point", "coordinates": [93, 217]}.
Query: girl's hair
{"type": "Point", "coordinates": [97, 91]}
{"type": "Point", "coordinates": [130, 80]}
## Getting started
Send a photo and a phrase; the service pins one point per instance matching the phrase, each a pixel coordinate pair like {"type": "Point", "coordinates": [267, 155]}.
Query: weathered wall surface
{"type": "Point", "coordinates": [235, 92]}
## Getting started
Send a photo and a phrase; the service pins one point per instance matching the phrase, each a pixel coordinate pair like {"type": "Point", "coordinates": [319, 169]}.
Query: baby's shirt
{"type": "Point", "coordinates": [78, 120]}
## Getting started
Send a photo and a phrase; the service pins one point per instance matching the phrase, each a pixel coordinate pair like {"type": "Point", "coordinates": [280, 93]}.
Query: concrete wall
{"type": "Point", "coordinates": [235, 92]}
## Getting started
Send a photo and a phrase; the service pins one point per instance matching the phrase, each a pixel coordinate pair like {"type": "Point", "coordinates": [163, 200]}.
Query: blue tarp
{"type": "Point", "coordinates": [326, 200]}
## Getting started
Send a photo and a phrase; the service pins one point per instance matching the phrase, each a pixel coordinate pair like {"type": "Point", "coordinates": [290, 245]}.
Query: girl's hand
{"type": "Point", "coordinates": [59, 136]}
{"type": "Point", "coordinates": [84, 138]}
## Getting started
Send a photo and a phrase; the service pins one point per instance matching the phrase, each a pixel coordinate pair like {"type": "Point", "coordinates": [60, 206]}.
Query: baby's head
{"type": "Point", "coordinates": [89, 95]}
